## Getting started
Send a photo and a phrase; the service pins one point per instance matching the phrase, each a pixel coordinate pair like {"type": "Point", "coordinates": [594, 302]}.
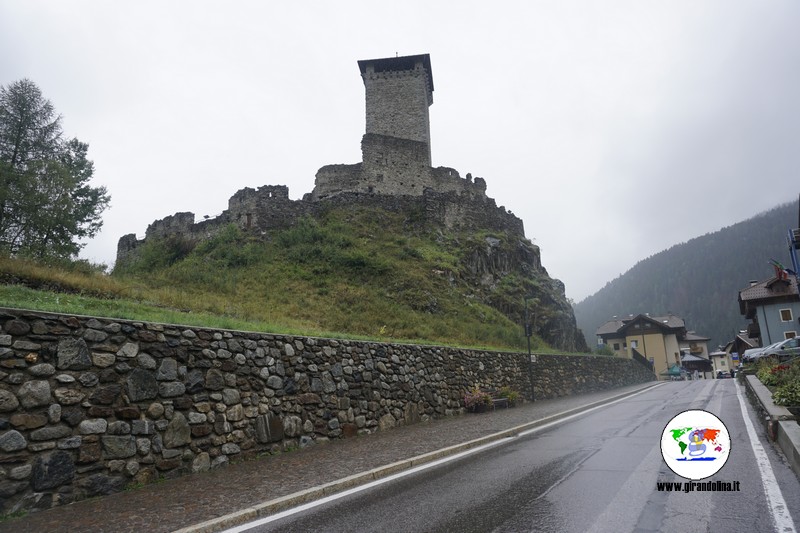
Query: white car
{"type": "Point", "coordinates": [783, 350]}
{"type": "Point", "coordinates": [757, 356]}
{"type": "Point", "coordinates": [757, 353]}
{"type": "Point", "coordinates": [748, 354]}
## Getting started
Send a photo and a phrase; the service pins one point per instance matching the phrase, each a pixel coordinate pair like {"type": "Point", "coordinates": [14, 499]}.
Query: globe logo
{"type": "Point", "coordinates": [695, 444]}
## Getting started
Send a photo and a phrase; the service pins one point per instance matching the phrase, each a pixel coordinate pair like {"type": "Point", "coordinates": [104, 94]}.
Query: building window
{"type": "Point", "coordinates": [625, 345]}
{"type": "Point", "coordinates": [786, 315]}
{"type": "Point", "coordinates": [616, 346]}
{"type": "Point", "coordinates": [722, 362]}
{"type": "Point", "coordinates": [789, 334]}
{"type": "Point", "coordinates": [634, 344]}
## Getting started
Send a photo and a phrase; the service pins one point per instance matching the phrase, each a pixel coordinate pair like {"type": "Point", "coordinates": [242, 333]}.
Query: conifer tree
{"type": "Point", "coordinates": [46, 202]}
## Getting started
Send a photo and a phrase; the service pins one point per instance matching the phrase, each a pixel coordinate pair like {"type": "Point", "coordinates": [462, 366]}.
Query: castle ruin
{"type": "Point", "coordinates": [395, 171]}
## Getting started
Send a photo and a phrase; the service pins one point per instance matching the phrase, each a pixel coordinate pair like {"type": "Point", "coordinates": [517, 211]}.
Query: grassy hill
{"type": "Point", "coordinates": [698, 280]}
{"type": "Point", "coordinates": [355, 272]}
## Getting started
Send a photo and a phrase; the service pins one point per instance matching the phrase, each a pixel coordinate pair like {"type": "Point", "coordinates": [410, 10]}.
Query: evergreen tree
{"type": "Point", "coordinates": [46, 202]}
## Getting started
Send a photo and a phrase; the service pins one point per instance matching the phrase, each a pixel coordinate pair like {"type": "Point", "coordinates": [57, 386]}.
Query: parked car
{"type": "Point", "coordinates": [783, 350]}
{"type": "Point", "coordinates": [760, 355]}
{"type": "Point", "coordinates": [748, 354]}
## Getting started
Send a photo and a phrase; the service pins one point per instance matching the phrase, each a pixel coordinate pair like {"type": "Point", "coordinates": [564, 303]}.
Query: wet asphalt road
{"type": "Point", "coordinates": [597, 472]}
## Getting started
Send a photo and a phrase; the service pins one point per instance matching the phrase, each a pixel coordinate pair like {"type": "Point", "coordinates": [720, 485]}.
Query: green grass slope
{"type": "Point", "coordinates": [356, 272]}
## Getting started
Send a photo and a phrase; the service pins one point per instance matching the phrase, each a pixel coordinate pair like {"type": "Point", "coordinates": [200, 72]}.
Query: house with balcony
{"type": "Point", "coordinates": [694, 344]}
{"type": "Point", "coordinates": [661, 340]}
{"type": "Point", "coordinates": [773, 308]}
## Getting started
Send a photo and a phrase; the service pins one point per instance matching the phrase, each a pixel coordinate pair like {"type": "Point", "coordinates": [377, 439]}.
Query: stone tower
{"type": "Point", "coordinates": [399, 91]}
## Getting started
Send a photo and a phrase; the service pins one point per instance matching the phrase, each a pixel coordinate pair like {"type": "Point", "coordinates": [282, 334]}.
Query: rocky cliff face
{"type": "Point", "coordinates": [505, 270]}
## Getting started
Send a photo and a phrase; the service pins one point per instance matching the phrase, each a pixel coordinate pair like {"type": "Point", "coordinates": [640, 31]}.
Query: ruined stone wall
{"type": "Point", "coordinates": [177, 224]}
{"type": "Point", "coordinates": [89, 405]}
{"type": "Point", "coordinates": [257, 210]}
{"type": "Point", "coordinates": [442, 194]}
{"type": "Point", "coordinates": [266, 208]}
{"type": "Point", "coordinates": [395, 167]}
{"type": "Point", "coordinates": [470, 211]}
{"type": "Point", "coordinates": [331, 180]}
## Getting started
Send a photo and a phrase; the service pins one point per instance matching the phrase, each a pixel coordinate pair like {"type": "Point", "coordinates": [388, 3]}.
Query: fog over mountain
{"type": "Point", "coordinates": [698, 280]}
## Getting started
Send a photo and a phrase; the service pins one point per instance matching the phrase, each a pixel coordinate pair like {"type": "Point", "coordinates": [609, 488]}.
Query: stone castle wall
{"type": "Point", "coordinates": [444, 196]}
{"type": "Point", "coordinates": [89, 405]}
{"type": "Point", "coordinates": [394, 167]}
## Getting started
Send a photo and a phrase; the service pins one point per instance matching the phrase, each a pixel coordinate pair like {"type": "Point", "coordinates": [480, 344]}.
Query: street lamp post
{"type": "Point", "coordinates": [528, 333]}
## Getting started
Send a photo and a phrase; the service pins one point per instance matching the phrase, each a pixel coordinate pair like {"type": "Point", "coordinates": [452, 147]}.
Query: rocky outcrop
{"type": "Point", "coordinates": [505, 270]}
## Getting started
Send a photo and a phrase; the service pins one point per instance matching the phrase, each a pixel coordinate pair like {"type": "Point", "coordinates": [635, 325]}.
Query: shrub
{"type": "Point", "coordinates": [476, 397]}
{"type": "Point", "coordinates": [773, 374]}
{"type": "Point", "coordinates": [788, 394]}
{"type": "Point", "coordinates": [509, 394]}
{"type": "Point", "coordinates": [784, 378]}
{"type": "Point", "coordinates": [157, 254]}
{"type": "Point", "coordinates": [604, 350]}
{"type": "Point", "coordinates": [230, 248]}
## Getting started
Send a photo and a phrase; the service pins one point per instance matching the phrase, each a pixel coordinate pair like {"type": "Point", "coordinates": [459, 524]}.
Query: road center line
{"type": "Point", "coordinates": [780, 513]}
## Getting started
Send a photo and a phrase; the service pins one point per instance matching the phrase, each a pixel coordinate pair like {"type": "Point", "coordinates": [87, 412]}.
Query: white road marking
{"type": "Point", "coordinates": [294, 510]}
{"type": "Point", "coordinates": [338, 495]}
{"type": "Point", "coordinates": [780, 513]}
{"type": "Point", "coordinates": [582, 413]}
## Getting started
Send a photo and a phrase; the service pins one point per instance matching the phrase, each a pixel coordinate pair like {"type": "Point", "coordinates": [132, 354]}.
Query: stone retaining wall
{"type": "Point", "coordinates": [89, 406]}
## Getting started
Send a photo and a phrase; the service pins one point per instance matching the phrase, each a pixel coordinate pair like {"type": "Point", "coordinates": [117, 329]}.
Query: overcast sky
{"type": "Point", "coordinates": [613, 129]}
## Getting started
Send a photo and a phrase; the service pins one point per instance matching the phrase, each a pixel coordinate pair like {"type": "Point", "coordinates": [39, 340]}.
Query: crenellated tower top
{"type": "Point", "coordinates": [399, 91]}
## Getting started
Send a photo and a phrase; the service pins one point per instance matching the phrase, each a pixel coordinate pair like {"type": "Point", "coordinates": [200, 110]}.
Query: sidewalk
{"type": "Point", "coordinates": [239, 492]}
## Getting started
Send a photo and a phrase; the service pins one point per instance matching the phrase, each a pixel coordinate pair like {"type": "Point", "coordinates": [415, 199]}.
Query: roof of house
{"type": "Point", "coordinates": [612, 326]}
{"type": "Point", "coordinates": [692, 336]}
{"type": "Point", "coordinates": [618, 326]}
{"type": "Point", "coordinates": [688, 358]}
{"type": "Point", "coordinates": [773, 288]}
{"type": "Point", "coordinates": [749, 341]}
{"type": "Point", "coordinates": [770, 288]}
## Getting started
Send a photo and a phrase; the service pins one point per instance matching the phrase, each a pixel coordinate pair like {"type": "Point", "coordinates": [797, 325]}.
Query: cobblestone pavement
{"type": "Point", "coordinates": [178, 503]}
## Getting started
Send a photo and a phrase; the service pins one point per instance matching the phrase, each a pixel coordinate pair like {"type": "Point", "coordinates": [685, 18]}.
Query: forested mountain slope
{"type": "Point", "coordinates": [698, 280]}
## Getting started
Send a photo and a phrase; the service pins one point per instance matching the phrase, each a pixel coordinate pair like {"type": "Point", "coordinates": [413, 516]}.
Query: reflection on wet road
{"type": "Point", "coordinates": [597, 472]}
